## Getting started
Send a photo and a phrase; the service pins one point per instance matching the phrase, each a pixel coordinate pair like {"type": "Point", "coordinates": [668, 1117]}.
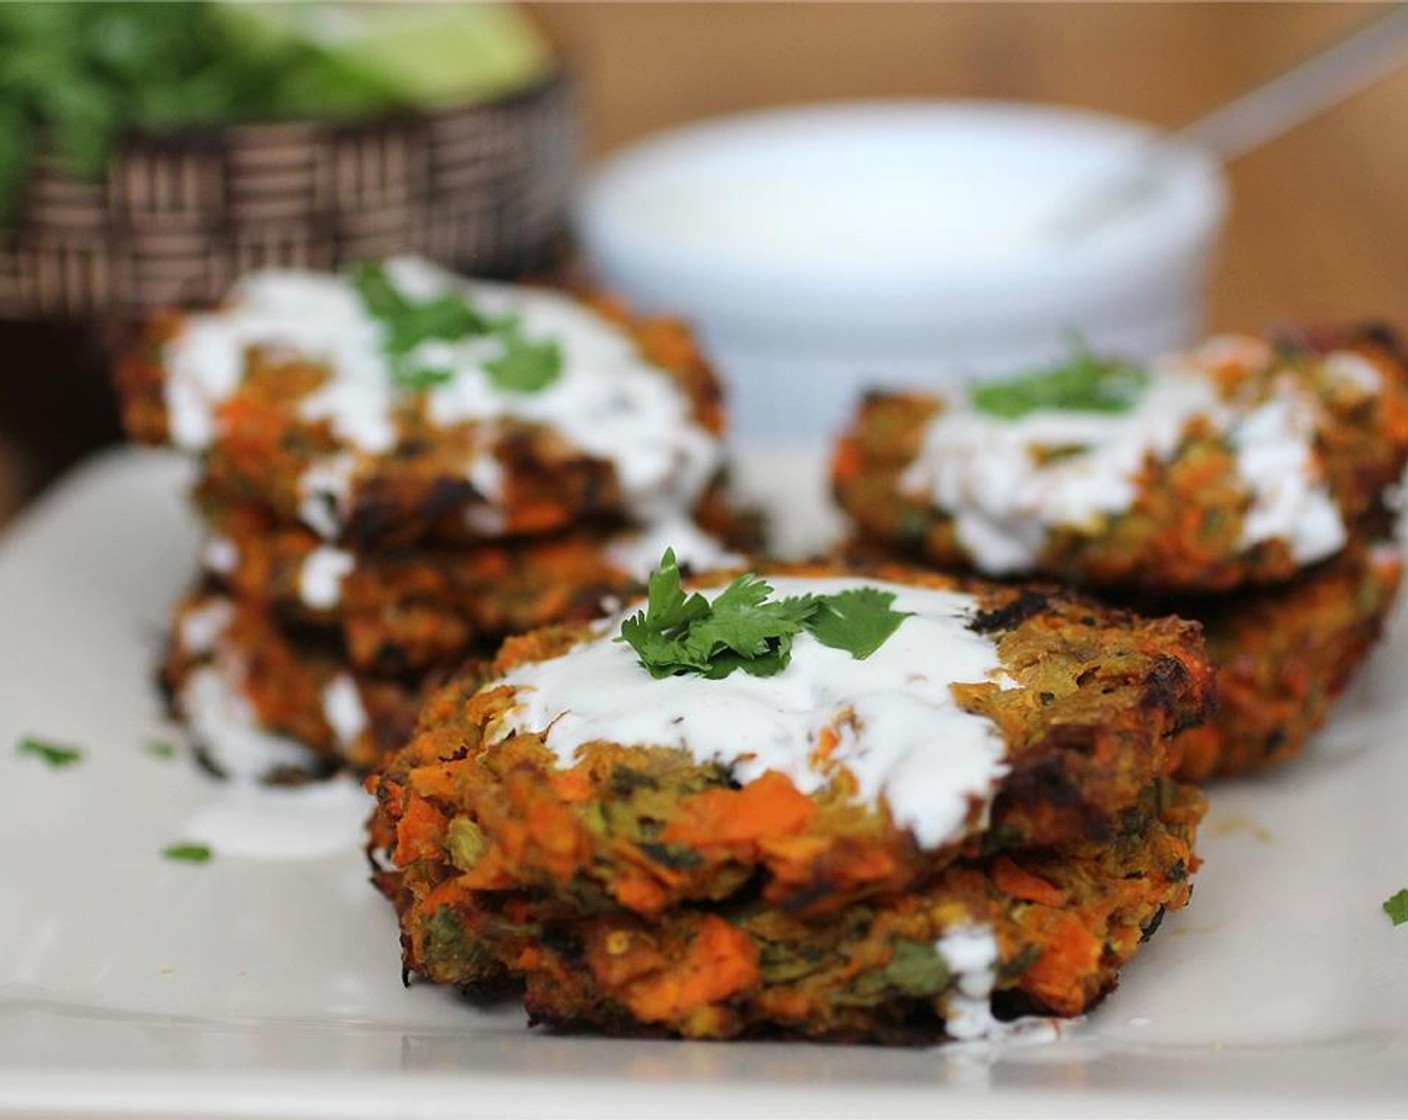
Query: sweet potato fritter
{"type": "Point", "coordinates": [264, 447]}
{"type": "Point", "coordinates": [1065, 920]}
{"type": "Point", "coordinates": [1100, 693]}
{"type": "Point", "coordinates": [404, 610]}
{"type": "Point", "coordinates": [640, 888]}
{"type": "Point", "coordinates": [1283, 655]}
{"type": "Point", "coordinates": [1184, 528]}
{"type": "Point", "coordinates": [296, 687]}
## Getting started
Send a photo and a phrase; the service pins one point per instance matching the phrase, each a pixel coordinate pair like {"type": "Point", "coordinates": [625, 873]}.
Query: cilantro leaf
{"type": "Point", "coordinates": [446, 318]}
{"type": "Point", "coordinates": [743, 629]}
{"type": "Point", "coordinates": [160, 748]}
{"type": "Point", "coordinates": [57, 755]}
{"type": "Point", "coordinates": [917, 969]}
{"type": "Point", "coordinates": [525, 367]}
{"type": "Point", "coordinates": [1396, 907]}
{"type": "Point", "coordinates": [858, 621]}
{"type": "Point", "coordinates": [1084, 383]}
{"type": "Point", "coordinates": [187, 853]}
{"type": "Point", "coordinates": [419, 378]}
{"type": "Point", "coordinates": [654, 633]}
{"type": "Point", "coordinates": [378, 294]}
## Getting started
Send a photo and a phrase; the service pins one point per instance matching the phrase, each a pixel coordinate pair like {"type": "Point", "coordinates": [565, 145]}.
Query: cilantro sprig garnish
{"type": "Point", "coordinates": [743, 628]}
{"type": "Point", "coordinates": [1396, 907]}
{"type": "Point", "coordinates": [525, 366]}
{"type": "Point", "coordinates": [1083, 383]}
{"type": "Point", "coordinates": [57, 755]}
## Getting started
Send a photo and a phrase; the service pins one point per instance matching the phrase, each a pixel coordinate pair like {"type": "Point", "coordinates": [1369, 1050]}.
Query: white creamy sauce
{"type": "Point", "coordinates": [321, 574]}
{"type": "Point", "coordinates": [638, 554]}
{"type": "Point", "coordinates": [987, 473]}
{"type": "Point", "coordinates": [324, 492]}
{"type": "Point", "coordinates": [970, 952]}
{"type": "Point", "coordinates": [902, 735]}
{"type": "Point", "coordinates": [608, 401]}
{"type": "Point", "coordinates": [1384, 553]}
{"type": "Point", "coordinates": [224, 723]}
{"type": "Point", "coordinates": [486, 475]}
{"type": "Point", "coordinates": [202, 627]}
{"type": "Point", "coordinates": [1275, 461]}
{"type": "Point", "coordinates": [282, 823]}
{"type": "Point", "coordinates": [342, 708]}
{"type": "Point", "coordinates": [982, 468]}
{"type": "Point", "coordinates": [220, 555]}
{"type": "Point", "coordinates": [1356, 370]}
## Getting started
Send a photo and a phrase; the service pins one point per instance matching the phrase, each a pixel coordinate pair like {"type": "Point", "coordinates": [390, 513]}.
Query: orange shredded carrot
{"type": "Point", "coordinates": [720, 962]}
{"type": "Point", "coordinates": [769, 806]}
{"type": "Point", "coordinates": [418, 833]}
{"type": "Point", "coordinates": [1071, 956]}
{"type": "Point", "coordinates": [1021, 883]}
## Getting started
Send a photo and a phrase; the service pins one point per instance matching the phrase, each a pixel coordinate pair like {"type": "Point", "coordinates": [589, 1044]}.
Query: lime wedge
{"type": "Point", "coordinates": [427, 54]}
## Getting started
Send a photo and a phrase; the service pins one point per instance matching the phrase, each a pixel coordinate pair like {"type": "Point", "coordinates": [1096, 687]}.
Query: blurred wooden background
{"type": "Point", "coordinates": [1318, 229]}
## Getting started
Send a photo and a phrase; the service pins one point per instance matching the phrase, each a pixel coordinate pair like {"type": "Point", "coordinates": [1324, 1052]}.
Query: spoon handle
{"type": "Point", "coordinates": [1323, 80]}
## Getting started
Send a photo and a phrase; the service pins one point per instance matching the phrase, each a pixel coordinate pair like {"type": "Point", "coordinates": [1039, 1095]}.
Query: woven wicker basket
{"type": "Point", "coordinates": [482, 188]}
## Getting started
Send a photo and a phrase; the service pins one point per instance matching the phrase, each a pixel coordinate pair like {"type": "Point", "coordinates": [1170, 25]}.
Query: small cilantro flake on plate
{"type": "Point", "coordinates": [1396, 907]}
{"type": "Point", "coordinates": [56, 755]}
{"type": "Point", "coordinates": [187, 853]}
{"type": "Point", "coordinates": [160, 748]}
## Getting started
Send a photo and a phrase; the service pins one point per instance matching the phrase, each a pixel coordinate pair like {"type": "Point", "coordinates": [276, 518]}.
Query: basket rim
{"type": "Point", "coordinates": [206, 135]}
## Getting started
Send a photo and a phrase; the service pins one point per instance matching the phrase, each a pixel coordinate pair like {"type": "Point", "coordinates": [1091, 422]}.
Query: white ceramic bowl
{"type": "Point", "coordinates": [824, 250]}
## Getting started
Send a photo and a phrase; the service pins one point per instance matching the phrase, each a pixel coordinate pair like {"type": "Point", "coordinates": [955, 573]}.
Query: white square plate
{"type": "Point", "coordinates": [131, 985]}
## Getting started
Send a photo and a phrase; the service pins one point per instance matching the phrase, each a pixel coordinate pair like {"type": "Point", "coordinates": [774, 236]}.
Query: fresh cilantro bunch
{"type": "Point", "coordinates": [78, 75]}
{"type": "Point", "coordinates": [1084, 383]}
{"type": "Point", "coordinates": [743, 629]}
{"type": "Point", "coordinates": [523, 367]}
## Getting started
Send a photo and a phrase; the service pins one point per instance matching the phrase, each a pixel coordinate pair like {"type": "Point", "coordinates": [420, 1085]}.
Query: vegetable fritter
{"type": "Point", "coordinates": [1093, 699]}
{"type": "Point", "coordinates": [237, 680]}
{"type": "Point", "coordinates": [745, 853]}
{"type": "Point", "coordinates": [1284, 654]}
{"type": "Point", "coordinates": [1041, 931]}
{"type": "Point", "coordinates": [406, 404]}
{"type": "Point", "coordinates": [1241, 462]}
{"type": "Point", "coordinates": [404, 610]}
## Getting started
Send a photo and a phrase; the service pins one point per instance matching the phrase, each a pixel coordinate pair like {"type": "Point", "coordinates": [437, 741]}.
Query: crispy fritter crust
{"type": "Point", "coordinates": [1283, 655]}
{"type": "Point", "coordinates": [263, 447]}
{"type": "Point", "coordinates": [1065, 920]}
{"type": "Point", "coordinates": [1184, 528]}
{"type": "Point", "coordinates": [285, 679]}
{"type": "Point", "coordinates": [1089, 726]}
{"type": "Point", "coordinates": [406, 610]}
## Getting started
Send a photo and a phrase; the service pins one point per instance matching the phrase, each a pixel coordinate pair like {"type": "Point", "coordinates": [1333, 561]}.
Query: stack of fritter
{"type": "Point", "coordinates": [878, 804]}
{"type": "Point", "coordinates": [1244, 485]}
{"type": "Point", "coordinates": [399, 467]}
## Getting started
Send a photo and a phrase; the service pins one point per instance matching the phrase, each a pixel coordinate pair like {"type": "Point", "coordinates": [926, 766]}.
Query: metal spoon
{"type": "Point", "coordinates": [1320, 82]}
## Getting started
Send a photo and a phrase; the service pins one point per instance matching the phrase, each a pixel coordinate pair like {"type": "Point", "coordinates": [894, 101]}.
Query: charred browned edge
{"type": "Point", "coordinates": [1323, 338]}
